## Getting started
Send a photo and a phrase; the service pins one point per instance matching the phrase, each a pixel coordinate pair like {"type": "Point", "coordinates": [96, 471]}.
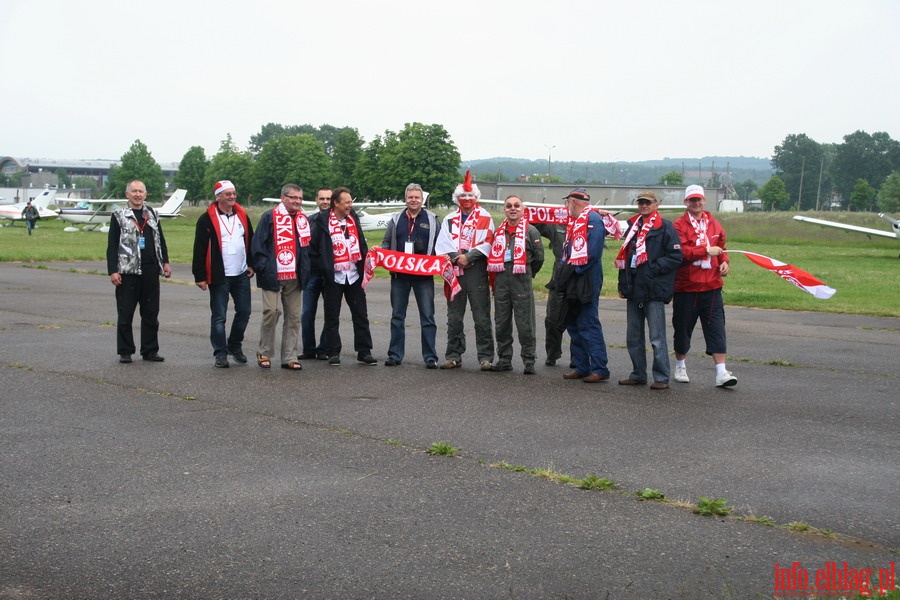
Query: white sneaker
{"type": "Point", "coordinates": [725, 379]}
{"type": "Point", "coordinates": [681, 375]}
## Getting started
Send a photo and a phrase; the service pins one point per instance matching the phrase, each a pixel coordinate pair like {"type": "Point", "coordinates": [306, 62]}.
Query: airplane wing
{"type": "Point", "coordinates": [855, 228]}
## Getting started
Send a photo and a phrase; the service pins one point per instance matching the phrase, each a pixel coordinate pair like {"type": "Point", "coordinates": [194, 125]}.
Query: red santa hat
{"type": "Point", "coordinates": [223, 186]}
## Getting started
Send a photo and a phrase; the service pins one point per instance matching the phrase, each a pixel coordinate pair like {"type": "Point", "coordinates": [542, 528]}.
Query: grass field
{"type": "Point", "coordinates": [863, 271]}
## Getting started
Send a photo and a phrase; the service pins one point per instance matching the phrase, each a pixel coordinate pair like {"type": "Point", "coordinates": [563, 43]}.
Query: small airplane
{"type": "Point", "coordinates": [94, 214]}
{"type": "Point", "coordinates": [13, 212]}
{"type": "Point", "coordinates": [367, 220]}
{"type": "Point", "coordinates": [894, 233]}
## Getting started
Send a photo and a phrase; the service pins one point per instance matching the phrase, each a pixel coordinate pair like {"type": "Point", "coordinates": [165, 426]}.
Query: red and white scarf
{"type": "Point", "coordinates": [346, 248]}
{"type": "Point", "coordinates": [496, 259]}
{"type": "Point", "coordinates": [702, 240]}
{"type": "Point", "coordinates": [285, 243]}
{"type": "Point", "coordinates": [640, 248]}
{"type": "Point", "coordinates": [577, 238]}
{"type": "Point", "coordinates": [411, 264]}
{"type": "Point", "coordinates": [466, 236]}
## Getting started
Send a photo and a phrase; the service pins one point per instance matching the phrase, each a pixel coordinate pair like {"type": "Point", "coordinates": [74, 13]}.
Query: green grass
{"type": "Point", "coordinates": [863, 271]}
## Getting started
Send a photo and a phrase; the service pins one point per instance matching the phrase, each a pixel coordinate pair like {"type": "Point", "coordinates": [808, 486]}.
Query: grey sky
{"type": "Point", "coordinates": [599, 80]}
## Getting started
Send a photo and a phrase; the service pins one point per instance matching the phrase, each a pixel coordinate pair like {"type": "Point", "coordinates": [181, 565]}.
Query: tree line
{"type": "Point", "coordinates": [311, 157]}
{"type": "Point", "coordinates": [862, 173]}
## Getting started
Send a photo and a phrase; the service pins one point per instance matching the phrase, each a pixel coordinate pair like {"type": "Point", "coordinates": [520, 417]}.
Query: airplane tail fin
{"type": "Point", "coordinates": [889, 219]}
{"type": "Point", "coordinates": [173, 205]}
{"type": "Point", "coordinates": [44, 200]}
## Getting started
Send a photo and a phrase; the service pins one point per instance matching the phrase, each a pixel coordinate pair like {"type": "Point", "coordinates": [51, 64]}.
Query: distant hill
{"type": "Point", "coordinates": [646, 172]}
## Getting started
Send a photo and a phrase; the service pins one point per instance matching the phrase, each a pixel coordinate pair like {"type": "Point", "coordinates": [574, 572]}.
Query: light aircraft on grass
{"type": "Point", "coordinates": [368, 221]}
{"type": "Point", "coordinates": [894, 233]}
{"type": "Point", "coordinates": [94, 214]}
{"type": "Point", "coordinates": [13, 212]}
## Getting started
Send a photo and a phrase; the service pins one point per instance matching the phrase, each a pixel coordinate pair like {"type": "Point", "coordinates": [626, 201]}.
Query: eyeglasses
{"type": "Point", "coordinates": [645, 201]}
{"type": "Point", "coordinates": [295, 197]}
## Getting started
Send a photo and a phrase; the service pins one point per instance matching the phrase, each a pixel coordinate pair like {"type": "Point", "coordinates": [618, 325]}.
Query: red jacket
{"type": "Point", "coordinates": [690, 277]}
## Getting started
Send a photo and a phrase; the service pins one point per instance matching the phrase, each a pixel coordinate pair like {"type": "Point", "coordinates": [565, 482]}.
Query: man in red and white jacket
{"type": "Point", "coordinates": [698, 286]}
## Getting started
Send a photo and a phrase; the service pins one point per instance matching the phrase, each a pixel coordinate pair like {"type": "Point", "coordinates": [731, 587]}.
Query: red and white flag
{"type": "Point", "coordinates": [798, 277]}
{"type": "Point", "coordinates": [411, 264]}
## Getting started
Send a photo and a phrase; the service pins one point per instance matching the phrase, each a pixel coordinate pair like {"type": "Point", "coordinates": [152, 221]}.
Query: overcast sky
{"type": "Point", "coordinates": [596, 79]}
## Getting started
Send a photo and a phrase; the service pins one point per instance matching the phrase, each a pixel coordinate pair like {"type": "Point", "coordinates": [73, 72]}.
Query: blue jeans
{"type": "Point", "coordinates": [238, 287]}
{"type": "Point", "coordinates": [423, 288]}
{"type": "Point", "coordinates": [654, 312]}
{"type": "Point", "coordinates": [311, 293]}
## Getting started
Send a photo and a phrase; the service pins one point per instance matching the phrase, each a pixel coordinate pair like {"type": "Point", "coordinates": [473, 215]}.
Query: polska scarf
{"type": "Point", "coordinates": [640, 248]}
{"type": "Point", "coordinates": [577, 238]}
{"type": "Point", "coordinates": [285, 242]}
{"type": "Point", "coordinates": [702, 240]}
{"type": "Point", "coordinates": [345, 247]}
{"type": "Point", "coordinates": [496, 259]}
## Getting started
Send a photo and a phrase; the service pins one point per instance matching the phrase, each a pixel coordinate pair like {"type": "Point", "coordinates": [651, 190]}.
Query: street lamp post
{"type": "Point", "coordinates": [549, 156]}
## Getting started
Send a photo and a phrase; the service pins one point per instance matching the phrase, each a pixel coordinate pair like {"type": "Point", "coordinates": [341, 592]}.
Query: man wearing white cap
{"type": "Point", "coordinates": [221, 265]}
{"type": "Point", "coordinates": [698, 286]}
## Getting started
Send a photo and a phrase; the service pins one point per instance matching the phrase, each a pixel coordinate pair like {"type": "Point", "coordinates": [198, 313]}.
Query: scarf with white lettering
{"type": "Point", "coordinates": [577, 238]}
{"type": "Point", "coordinates": [702, 240]}
{"type": "Point", "coordinates": [497, 257]}
{"type": "Point", "coordinates": [345, 247]}
{"type": "Point", "coordinates": [285, 241]}
{"type": "Point", "coordinates": [411, 264]}
{"type": "Point", "coordinates": [640, 248]}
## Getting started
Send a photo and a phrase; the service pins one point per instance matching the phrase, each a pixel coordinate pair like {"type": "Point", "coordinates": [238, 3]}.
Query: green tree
{"type": "Point", "coordinates": [86, 183]}
{"type": "Point", "coordinates": [191, 175]}
{"type": "Point", "coordinates": [420, 153]}
{"type": "Point", "coordinates": [773, 195]}
{"type": "Point", "coordinates": [889, 194]}
{"type": "Point", "coordinates": [863, 156]}
{"type": "Point", "coordinates": [229, 163]}
{"type": "Point", "coordinates": [797, 161]}
{"type": "Point", "coordinates": [346, 154]}
{"type": "Point", "coordinates": [745, 189]}
{"type": "Point", "coordinates": [62, 178]}
{"type": "Point", "coordinates": [862, 196]}
{"type": "Point", "coordinates": [299, 159]}
{"type": "Point", "coordinates": [671, 178]}
{"type": "Point", "coordinates": [137, 163]}
{"type": "Point", "coordinates": [366, 172]}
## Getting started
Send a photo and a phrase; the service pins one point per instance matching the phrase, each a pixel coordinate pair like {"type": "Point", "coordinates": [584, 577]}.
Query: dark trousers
{"type": "Point", "coordinates": [138, 290]}
{"type": "Point", "coordinates": [311, 292]}
{"type": "Point", "coordinates": [238, 287]}
{"type": "Point", "coordinates": [355, 296]}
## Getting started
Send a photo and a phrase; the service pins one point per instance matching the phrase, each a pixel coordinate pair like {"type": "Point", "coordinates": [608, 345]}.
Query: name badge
{"type": "Point", "coordinates": [408, 248]}
{"type": "Point", "coordinates": [142, 243]}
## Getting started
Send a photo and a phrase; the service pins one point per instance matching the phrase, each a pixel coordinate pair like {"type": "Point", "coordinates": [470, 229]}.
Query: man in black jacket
{"type": "Point", "coordinates": [647, 263]}
{"type": "Point", "coordinates": [222, 265]}
{"type": "Point", "coordinates": [339, 249]}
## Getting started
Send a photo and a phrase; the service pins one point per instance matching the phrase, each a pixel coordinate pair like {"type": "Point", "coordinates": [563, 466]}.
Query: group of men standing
{"type": "Point", "coordinates": [323, 254]}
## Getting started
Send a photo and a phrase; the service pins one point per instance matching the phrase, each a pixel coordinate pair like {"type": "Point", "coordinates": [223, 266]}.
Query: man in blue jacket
{"type": "Point", "coordinates": [647, 263]}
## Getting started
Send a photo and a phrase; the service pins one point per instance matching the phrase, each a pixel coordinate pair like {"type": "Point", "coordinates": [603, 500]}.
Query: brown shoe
{"type": "Point", "coordinates": [573, 375]}
{"type": "Point", "coordinates": [595, 377]}
{"type": "Point", "coordinates": [659, 385]}
{"type": "Point", "coordinates": [631, 381]}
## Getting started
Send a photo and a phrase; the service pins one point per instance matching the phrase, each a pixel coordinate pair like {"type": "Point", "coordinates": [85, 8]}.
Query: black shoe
{"type": "Point", "coordinates": [307, 356]}
{"type": "Point", "coordinates": [366, 358]}
{"type": "Point", "coordinates": [551, 362]}
{"type": "Point", "coordinates": [529, 369]}
{"type": "Point", "coordinates": [154, 357]}
{"type": "Point", "coordinates": [321, 356]}
{"type": "Point", "coordinates": [501, 367]}
{"type": "Point", "coordinates": [572, 365]}
{"type": "Point", "coordinates": [334, 361]}
{"type": "Point", "coordinates": [124, 358]}
{"type": "Point", "coordinates": [431, 364]}
{"type": "Point", "coordinates": [392, 362]}
{"type": "Point", "coordinates": [222, 362]}
{"type": "Point", "coordinates": [239, 356]}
